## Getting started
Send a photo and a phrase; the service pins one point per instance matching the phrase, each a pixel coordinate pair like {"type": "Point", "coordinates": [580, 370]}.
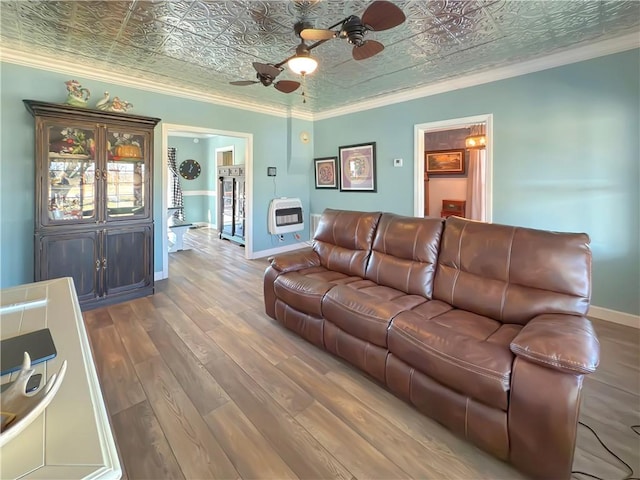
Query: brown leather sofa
{"type": "Point", "coordinates": [480, 326]}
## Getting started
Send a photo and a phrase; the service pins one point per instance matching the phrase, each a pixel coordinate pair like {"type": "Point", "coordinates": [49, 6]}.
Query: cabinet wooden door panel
{"type": "Point", "coordinates": [71, 255]}
{"type": "Point", "coordinates": [127, 253]}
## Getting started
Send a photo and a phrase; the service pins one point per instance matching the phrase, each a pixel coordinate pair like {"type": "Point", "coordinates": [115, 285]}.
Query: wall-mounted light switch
{"type": "Point", "coordinates": [271, 171]}
{"type": "Point", "coordinates": [397, 162]}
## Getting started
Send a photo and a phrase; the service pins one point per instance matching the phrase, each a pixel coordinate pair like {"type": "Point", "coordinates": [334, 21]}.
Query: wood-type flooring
{"type": "Point", "coordinates": [200, 383]}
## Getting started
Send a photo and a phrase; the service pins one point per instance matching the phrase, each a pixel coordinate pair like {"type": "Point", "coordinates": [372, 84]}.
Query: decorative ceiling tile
{"type": "Point", "coordinates": [54, 12]}
{"type": "Point", "coordinates": [105, 17]}
{"type": "Point", "coordinates": [203, 45]}
{"type": "Point", "coordinates": [159, 12]}
{"type": "Point", "coordinates": [147, 34]}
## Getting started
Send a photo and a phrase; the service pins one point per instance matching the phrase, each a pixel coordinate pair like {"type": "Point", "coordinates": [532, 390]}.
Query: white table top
{"type": "Point", "coordinates": [72, 439]}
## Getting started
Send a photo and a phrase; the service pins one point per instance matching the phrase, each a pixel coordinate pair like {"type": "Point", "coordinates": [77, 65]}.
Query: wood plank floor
{"type": "Point", "coordinates": [201, 384]}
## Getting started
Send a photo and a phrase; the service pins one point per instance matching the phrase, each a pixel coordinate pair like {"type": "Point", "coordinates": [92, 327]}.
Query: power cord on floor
{"type": "Point", "coordinates": [634, 428]}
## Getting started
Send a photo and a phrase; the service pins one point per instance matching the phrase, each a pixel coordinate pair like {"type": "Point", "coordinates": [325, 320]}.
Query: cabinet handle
{"type": "Point", "coordinates": [97, 174]}
{"type": "Point", "coordinates": [104, 174]}
{"type": "Point", "coordinates": [104, 263]}
{"type": "Point", "coordinates": [98, 264]}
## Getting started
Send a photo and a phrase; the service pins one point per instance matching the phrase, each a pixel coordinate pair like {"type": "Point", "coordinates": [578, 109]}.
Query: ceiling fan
{"type": "Point", "coordinates": [266, 74]}
{"type": "Point", "coordinates": [380, 15]}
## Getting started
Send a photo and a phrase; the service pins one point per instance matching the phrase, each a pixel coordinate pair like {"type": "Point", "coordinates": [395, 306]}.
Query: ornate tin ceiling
{"type": "Point", "coordinates": [203, 45]}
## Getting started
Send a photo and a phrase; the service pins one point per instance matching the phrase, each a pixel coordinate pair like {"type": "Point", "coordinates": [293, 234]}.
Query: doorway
{"type": "Point", "coordinates": [182, 130]}
{"type": "Point", "coordinates": [419, 158]}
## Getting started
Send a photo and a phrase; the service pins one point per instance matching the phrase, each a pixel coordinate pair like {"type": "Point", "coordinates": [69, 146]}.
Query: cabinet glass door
{"type": "Point", "coordinates": [239, 214]}
{"type": "Point", "coordinates": [71, 181]}
{"type": "Point", "coordinates": [126, 186]}
{"type": "Point", "coordinates": [227, 206]}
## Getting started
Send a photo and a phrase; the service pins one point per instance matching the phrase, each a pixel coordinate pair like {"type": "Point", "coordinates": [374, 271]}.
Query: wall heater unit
{"type": "Point", "coordinates": [285, 216]}
{"type": "Point", "coordinates": [313, 224]}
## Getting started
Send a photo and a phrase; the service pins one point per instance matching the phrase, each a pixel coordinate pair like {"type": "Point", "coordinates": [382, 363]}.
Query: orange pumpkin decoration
{"type": "Point", "coordinates": [128, 151]}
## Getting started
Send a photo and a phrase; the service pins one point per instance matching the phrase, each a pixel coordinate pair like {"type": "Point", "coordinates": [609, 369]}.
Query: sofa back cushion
{"type": "Point", "coordinates": [512, 274]}
{"type": "Point", "coordinates": [405, 251]}
{"type": "Point", "coordinates": [343, 240]}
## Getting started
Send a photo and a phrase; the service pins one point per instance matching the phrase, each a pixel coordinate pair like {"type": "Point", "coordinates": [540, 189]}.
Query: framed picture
{"type": "Point", "coordinates": [326, 174]}
{"type": "Point", "coordinates": [444, 162]}
{"type": "Point", "coordinates": [358, 168]}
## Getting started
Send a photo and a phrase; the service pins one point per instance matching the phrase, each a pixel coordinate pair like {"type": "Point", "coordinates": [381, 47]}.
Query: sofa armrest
{"type": "Point", "coordinates": [562, 342]}
{"type": "Point", "coordinates": [297, 260]}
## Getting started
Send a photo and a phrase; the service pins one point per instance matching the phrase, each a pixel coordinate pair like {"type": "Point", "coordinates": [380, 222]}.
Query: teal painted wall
{"type": "Point", "coordinates": [196, 207]}
{"type": "Point", "coordinates": [238, 144]}
{"type": "Point", "coordinates": [566, 158]}
{"type": "Point", "coordinates": [271, 146]}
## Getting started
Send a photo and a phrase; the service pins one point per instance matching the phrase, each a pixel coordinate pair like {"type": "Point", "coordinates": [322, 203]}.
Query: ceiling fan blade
{"type": "Point", "coordinates": [266, 69]}
{"type": "Point", "coordinates": [315, 34]}
{"type": "Point", "coordinates": [382, 15]}
{"type": "Point", "coordinates": [243, 83]}
{"type": "Point", "coordinates": [286, 86]}
{"type": "Point", "coordinates": [367, 49]}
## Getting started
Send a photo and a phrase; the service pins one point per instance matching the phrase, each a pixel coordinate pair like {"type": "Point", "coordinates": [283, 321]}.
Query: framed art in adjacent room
{"type": "Point", "coordinates": [444, 162]}
{"type": "Point", "coordinates": [326, 172]}
{"type": "Point", "coordinates": [358, 168]}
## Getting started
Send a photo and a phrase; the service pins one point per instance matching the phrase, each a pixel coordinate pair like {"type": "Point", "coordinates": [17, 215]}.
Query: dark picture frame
{"type": "Point", "coordinates": [445, 162]}
{"type": "Point", "coordinates": [358, 167]}
{"type": "Point", "coordinates": [326, 170]}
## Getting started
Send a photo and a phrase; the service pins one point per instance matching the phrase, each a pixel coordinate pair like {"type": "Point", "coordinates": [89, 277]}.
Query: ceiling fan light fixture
{"type": "Point", "coordinates": [302, 63]}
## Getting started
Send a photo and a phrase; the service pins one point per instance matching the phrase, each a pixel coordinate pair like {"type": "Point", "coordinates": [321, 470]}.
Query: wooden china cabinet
{"type": "Point", "coordinates": [93, 205]}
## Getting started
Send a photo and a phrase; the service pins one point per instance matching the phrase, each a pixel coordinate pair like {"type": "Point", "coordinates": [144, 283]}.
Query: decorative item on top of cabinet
{"type": "Point", "coordinates": [94, 192]}
{"type": "Point", "coordinates": [453, 207]}
{"type": "Point", "coordinates": [77, 95]}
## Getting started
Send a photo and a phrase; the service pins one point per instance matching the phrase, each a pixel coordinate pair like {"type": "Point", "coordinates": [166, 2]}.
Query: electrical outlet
{"type": "Point", "coordinates": [397, 162]}
{"type": "Point", "coordinates": [281, 238]}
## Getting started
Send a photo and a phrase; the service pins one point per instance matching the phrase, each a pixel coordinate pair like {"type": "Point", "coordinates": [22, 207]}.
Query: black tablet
{"type": "Point", "coordinates": [38, 344]}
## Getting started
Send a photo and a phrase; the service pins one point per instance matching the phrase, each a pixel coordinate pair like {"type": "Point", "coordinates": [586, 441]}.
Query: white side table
{"type": "Point", "coordinates": [72, 439]}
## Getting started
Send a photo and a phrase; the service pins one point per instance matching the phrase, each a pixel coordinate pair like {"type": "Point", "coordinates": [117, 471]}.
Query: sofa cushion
{"type": "Point", "coordinates": [512, 274]}
{"type": "Point", "coordinates": [404, 255]}
{"type": "Point", "coordinates": [464, 351]}
{"type": "Point", "coordinates": [304, 289]}
{"type": "Point", "coordinates": [343, 240]}
{"type": "Point", "coordinates": [365, 309]}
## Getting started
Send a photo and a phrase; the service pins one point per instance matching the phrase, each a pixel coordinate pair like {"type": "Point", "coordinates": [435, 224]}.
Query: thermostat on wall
{"type": "Point", "coordinates": [271, 171]}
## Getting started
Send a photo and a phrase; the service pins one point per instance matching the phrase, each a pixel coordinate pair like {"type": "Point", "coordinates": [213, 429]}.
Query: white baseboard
{"type": "Point", "coordinates": [614, 316]}
{"type": "Point", "coordinates": [283, 249]}
{"type": "Point", "coordinates": [159, 275]}
{"type": "Point", "coordinates": [205, 225]}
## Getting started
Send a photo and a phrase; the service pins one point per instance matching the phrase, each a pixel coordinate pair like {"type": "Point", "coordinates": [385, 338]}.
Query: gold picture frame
{"type": "Point", "coordinates": [445, 162]}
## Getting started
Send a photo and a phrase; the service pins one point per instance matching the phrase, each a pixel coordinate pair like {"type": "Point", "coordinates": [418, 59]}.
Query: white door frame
{"type": "Point", "coordinates": [169, 129]}
{"type": "Point", "coordinates": [418, 176]}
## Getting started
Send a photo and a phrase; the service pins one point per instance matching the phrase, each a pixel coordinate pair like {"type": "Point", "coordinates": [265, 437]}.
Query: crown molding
{"type": "Point", "coordinates": [566, 57]}
{"type": "Point", "coordinates": [51, 64]}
